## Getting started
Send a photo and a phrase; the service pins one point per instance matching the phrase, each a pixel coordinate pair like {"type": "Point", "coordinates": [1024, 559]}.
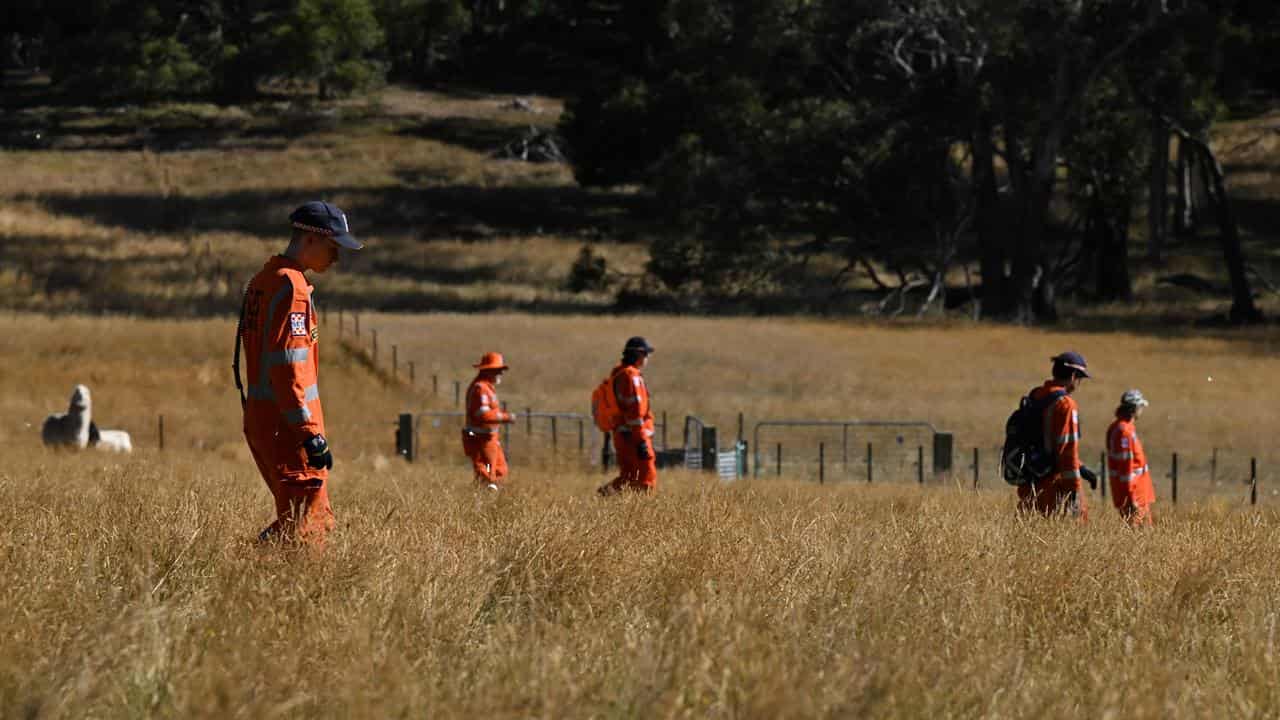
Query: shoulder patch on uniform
{"type": "Point", "coordinates": [297, 324]}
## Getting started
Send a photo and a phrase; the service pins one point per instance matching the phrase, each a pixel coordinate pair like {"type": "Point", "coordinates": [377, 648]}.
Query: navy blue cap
{"type": "Point", "coordinates": [1074, 360]}
{"type": "Point", "coordinates": [638, 344]}
{"type": "Point", "coordinates": [325, 219]}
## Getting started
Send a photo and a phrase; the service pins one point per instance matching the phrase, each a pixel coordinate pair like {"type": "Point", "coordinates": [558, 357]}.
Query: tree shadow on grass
{"type": "Point", "coordinates": [433, 213]}
{"type": "Point", "coordinates": [482, 136]}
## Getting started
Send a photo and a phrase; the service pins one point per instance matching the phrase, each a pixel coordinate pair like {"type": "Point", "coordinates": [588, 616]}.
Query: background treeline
{"type": "Point", "coordinates": [1044, 143]}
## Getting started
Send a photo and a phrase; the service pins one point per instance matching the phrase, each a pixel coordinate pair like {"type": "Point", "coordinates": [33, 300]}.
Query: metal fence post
{"type": "Point", "coordinates": [870, 464]}
{"type": "Point", "coordinates": [395, 361]}
{"type": "Point", "coordinates": [1213, 467]}
{"type": "Point", "coordinates": [528, 421]}
{"type": "Point", "coordinates": [340, 322]}
{"type": "Point", "coordinates": [1174, 477]}
{"type": "Point", "coordinates": [920, 464]}
{"type": "Point", "coordinates": [822, 463]}
{"type": "Point", "coordinates": [740, 428]}
{"type": "Point", "coordinates": [779, 460]}
{"type": "Point", "coordinates": [160, 431]}
{"type": "Point", "coordinates": [664, 429]}
{"type": "Point", "coordinates": [975, 468]}
{"type": "Point", "coordinates": [554, 434]}
{"type": "Point", "coordinates": [374, 334]}
{"type": "Point", "coordinates": [457, 393]}
{"type": "Point", "coordinates": [411, 374]}
{"type": "Point", "coordinates": [844, 447]}
{"type": "Point", "coordinates": [581, 435]}
{"type": "Point", "coordinates": [357, 320]}
{"type": "Point", "coordinates": [435, 385]}
{"type": "Point", "coordinates": [604, 452]}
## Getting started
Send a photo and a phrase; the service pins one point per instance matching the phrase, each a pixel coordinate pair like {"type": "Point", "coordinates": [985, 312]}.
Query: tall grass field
{"type": "Point", "coordinates": [133, 590]}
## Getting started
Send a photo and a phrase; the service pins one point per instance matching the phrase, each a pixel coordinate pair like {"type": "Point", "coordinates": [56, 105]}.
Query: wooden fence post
{"type": "Point", "coordinates": [1253, 481]}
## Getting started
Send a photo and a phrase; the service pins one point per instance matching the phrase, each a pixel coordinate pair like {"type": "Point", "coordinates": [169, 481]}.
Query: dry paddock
{"type": "Point", "coordinates": [131, 588]}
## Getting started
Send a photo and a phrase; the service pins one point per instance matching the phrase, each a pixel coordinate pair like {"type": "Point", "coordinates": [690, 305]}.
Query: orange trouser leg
{"type": "Point", "coordinates": [634, 473]}
{"type": "Point", "coordinates": [300, 493]}
{"type": "Point", "coordinates": [304, 514]}
{"type": "Point", "coordinates": [489, 463]}
{"type": "Point", "coordinates": [1053, 497]}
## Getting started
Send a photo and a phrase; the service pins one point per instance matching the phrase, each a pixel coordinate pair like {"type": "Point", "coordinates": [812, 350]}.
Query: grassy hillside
{"type": "Point", "coordinates": [166, 209]}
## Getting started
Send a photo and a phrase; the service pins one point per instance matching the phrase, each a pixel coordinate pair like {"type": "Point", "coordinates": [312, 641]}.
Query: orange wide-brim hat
{"type": "Point", "coordinates": [491, 361]}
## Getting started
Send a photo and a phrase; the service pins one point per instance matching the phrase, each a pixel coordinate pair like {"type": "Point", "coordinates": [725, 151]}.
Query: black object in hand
{"type": "Point", "coordinates": [1089, 477]}
{"type": "Point", "coordinates": [318, 455]}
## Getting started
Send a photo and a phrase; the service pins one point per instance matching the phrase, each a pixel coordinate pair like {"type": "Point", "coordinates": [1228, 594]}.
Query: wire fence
{"type": "Point", "coordinates": [819, 450]}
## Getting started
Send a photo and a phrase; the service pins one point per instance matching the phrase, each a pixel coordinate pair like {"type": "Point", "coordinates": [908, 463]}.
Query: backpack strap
{"type": "Point", "coordinates": [235, 358]}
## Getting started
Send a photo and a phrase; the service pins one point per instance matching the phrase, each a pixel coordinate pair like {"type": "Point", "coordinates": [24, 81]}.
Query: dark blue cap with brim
{"type": "Point", "coordinates": [322, 218]}
{"type": "Point", "coordinates": [1073, 360]}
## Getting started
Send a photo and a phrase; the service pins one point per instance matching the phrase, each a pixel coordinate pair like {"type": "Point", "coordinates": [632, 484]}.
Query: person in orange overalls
{"type": "Point", "coordinates": [1131, 488]}
{"type": "Point", "coordinates": [633, 440]}
{"type": "Point", "coordinates": [1059, 492]}
{"type": "Point", "coordinates": [485, 416]}
{"type": "Point", "coordinates": [283, 419]}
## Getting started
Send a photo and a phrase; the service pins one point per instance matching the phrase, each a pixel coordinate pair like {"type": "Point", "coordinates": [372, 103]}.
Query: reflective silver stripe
{"type": "Point", "coordinates": [1123, 478]}
{"type": "Point", "coordinates": [1070, 474]}
{"type": "Point", "coordinates": [1140, 471]}
{"type": "Point", "coordinates": [1064, 439]}
{"type": "Point", "coordinates": [310, 392]}
{"type": "Point", "coordinates": [285, 357]}
{"type": "Point", "coordinates": [480, 431]}
{"type": "Point", "coordinates": [648, 433]}
{"type": "Point", "coordinates": [637, 422]}
{"type": "Point", "coordinates": [1121, 456]}
{"type": "Point", "coordinates": [297, 416]}
{"type": "Point", "coordinates": [484, 408]}
{"type": "Point", "coordinates": [264, 376]}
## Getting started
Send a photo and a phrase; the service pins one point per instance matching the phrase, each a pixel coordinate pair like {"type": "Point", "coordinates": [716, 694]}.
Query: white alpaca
{"type": "Point", "coordinates": [115, 441]}
{"type": "Point", "coordinates": [71, 428]}
{"type": "Point", "coordinates": [75, 427]}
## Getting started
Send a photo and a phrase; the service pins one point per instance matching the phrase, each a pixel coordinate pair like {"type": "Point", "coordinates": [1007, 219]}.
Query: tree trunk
{"type": "Point", "coordinates": [1157, 192]}
{"type": "Point", "coordinates": [991, 240]}
{"type": "Point", "coordinates": [1183, 209]}
{"type": "Point", "coordinates": [1242, 308]}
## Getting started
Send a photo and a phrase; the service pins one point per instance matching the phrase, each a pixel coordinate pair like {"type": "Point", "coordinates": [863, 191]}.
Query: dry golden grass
{"type": "Point", "coordinates": [132, 589]}
{"type": "Point", "coordinates": [961, 377]}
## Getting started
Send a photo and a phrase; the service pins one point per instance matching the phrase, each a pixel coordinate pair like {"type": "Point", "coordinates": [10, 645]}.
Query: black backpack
{"type": "Point", "coordinates": [1025, 459]}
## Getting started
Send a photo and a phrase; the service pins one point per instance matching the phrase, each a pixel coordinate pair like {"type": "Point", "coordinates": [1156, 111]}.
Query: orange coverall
{"type": "Point", "coordinates": [635, 473]}
{"type": "Point", "coordinates": [1131, 488]}
{"type": "Point", "coordinates": [1060, 490]}
{"type": "Point", "coordinates": [280, 337]}
{"type": "Point", "coordinates": [480, 438]}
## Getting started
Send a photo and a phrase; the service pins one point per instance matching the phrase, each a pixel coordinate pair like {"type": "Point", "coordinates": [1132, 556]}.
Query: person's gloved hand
{"type": "Point", "coordinates": [642, 450]}
{"type": "Point", "coordinates": [318, 455]}
{"type": "Point", "coordinates": [1089, 477]}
